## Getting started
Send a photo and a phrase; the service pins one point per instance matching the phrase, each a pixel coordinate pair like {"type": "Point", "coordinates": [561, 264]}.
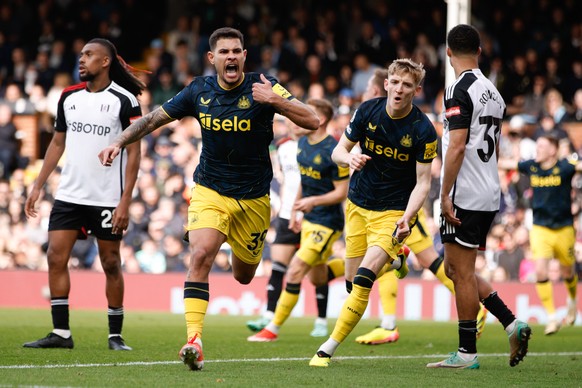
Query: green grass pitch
{"type": "Point", "coordinates": [232, 361]}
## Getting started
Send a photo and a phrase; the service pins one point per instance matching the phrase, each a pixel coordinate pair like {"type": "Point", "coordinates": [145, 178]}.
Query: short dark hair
{"type": "Point", "coordinates": [323, 106]}
{"type": "Point", "coordinates": [464, 39]}
{"type": "Point", "coordinates": [225, 33]}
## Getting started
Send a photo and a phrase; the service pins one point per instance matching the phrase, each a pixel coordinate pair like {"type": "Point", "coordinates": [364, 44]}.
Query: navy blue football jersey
{"type": "Point", "coordinates": [236, 133]}
{"type": "Point", "coordinates": [318, 172]}
{"type": "Point", "coordinates": [395, 146]}
{"type": "Point", "coordinates": [551, 203]}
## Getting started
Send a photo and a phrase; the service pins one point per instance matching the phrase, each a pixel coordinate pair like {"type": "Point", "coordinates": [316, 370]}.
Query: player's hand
{"type": "Point", "coordinates": [120, 220]}
{"type": "Point", "coordinates": [304, 205]}
{"type": "Point", "coordinates": [358, 161]}
{"type": "Point", "coordinates": [109, 153]}
{"type": "Point", "coordinates": [402, 230]}
{"type": "Point", "coordinates": [263, 91]}
{"type": "Point", "coordinates": [448, 212]}
{"type": "Point", "coordinates": [29, 209]}
{"type": "Point", "coordinates": [295, 222]}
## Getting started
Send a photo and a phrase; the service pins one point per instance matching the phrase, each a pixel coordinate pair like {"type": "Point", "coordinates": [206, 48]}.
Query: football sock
{"type": "Point", "coordinates": [196, 297]}
{"type": "Point", "coordinates": [349, 286]}
{"type": "Point", "coordinates": [545, 291]}
{"type": "Point", "coordinates": [60, 315]}
{"type": "Point", "coordinates": [287, 302]}
{"type": "Point", "coordinates": [388, 290]}
{"type": "Point", "coordinates": [571, 286]}
{"type": "Point", "coordinates": [115, 318]}
{"type": "Point", "coordinates": [335, 268]}
{"type": "Point", "coordinates": [329, 347]}
{"type": "Point", "coordinates": [321, 297]}
{"type": "Point", "coordinates": [468, 336]}
{"type": "Point", "coordinates": [438, 268]}
{"type": "Point", "coordinates": [275, 285]}
{"type": "Point", "coordinates": [355, 305]}
{"type": "Point", "coordinates": [495, 305]}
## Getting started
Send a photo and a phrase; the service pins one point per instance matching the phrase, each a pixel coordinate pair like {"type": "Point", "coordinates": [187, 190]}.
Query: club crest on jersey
{"type": "Point", "coordinates": [244, 103]}
{"type": "Point", "coordinates": [556, 170]}
{"type": "Point", "coordinates": [317, 159]}
{"type": "Point", "coordinates": [372, 128]}
{"type": "Point", "coordinates": [453, 111]}
{"type": "Point", "coordinates": [406, 141]}
{"type": "Point", "coordinates": [204, 102]}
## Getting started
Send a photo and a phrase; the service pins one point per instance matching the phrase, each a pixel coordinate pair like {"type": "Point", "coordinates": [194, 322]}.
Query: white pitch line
{"type": "Point", "coordinates": [277, 359]}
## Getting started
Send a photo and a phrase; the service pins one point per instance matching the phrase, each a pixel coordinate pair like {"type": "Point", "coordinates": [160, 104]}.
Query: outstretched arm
{"type": "Point", "coordinates": [133, 133]}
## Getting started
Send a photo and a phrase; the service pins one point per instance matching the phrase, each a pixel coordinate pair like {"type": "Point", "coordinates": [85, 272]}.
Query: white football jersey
{"type": "Point", "coordinates": [473, 102]}
{"type": "Point", "coordinates": [287, 155]}
{"type": "Point", "coordinates": [91, 122]}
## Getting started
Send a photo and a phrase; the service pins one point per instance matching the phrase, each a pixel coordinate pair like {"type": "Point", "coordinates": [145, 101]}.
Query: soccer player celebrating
{"type": "Point", "coordinates": [323, 189]}
{"type": "Point", "coordinates": [387, 189]}
{"type": "Point", "coordinates": [470, 195]}
{"type": "Point", "coordinates": [230, 201]}
{"type": "Point", "coordinates": [90, 198]}
{"type": "Point", "coordinates": [552, 234]}
{"type": "Point", "coordinates": [420, 242]}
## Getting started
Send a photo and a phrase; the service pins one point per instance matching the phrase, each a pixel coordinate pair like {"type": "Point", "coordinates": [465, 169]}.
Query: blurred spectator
{"type": "Point", "coordinates": [9, 144]}
{"type": "Point", "coordinates": [176, 252]}
{"type": "Point", "coordinates": [363, 71]}
{"type": "Point", "coordinates": [165, 87]}
{"type": "Point", "coordinates": [576, 114]}
{"type": "Point", "coordinates": [150, 258]}
{"type": "Point", "coordinates": [510, 257]}
{"type": "Point", "coordinates": [222, 262]}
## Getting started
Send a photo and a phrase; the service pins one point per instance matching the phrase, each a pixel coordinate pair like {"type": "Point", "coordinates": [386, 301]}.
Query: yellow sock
{"type": "Point", "coordinates": [355, 305]}
{"type": "Point", "coordinates": [285, 305]}
{"type": "Point", "coordinates": [448, 283]}
{"type": "Point", "coordinates": [337, 267]}
{"type": "Point", "coordinates": [572, 286]}
{"type": "Point", "coordinates": [388, 290]}
{"type": "Point", "coordinates": [545, 292]}
{"type": "Point", "coordinates": [194, 311]}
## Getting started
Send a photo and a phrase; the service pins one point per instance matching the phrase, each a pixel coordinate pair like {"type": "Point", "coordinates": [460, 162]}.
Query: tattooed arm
{"type": "Point", "coordinates": [133, 133]}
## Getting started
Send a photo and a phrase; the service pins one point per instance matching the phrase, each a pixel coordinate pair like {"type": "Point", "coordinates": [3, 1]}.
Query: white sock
{"type": "Point", "coordinates": [509, 329]}
{"type": "Point", "coordinates": [329, 346]}
{"type": "Point", "coordinates": [388, 322]}
{"type": "Point", "coordinates": [268, 315]}
{"type": "Point", "coordinates": [62, 333]}
{"type": "Point", "coordinates": [272, 328]}
{"type": "Point", "coordinates": [320, 321]}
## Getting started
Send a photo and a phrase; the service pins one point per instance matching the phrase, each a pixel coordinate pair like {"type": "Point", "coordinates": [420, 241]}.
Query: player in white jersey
{"type": "Point", "coordinates": [91, 198]}
{"type": "Point", "coordinates": [474, 110]}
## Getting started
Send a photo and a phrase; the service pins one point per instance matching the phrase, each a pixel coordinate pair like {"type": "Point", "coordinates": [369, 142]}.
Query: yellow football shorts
{"type": "Point", "coordinates": [547, 243]}
{"type": "Point", "coordinates": [243, 221]}
{"type": "Point", "coordinates": [420, 237]}
{"type": "Point", "coordinates": [316, 243]}
{"type": "Point", "coordinates": [365, 228]}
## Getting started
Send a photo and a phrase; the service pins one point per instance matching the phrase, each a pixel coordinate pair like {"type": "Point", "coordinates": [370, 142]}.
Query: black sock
{"type": "Point", "coordinates": [115, 317]}
{"type": "Point", "coordinates": [495, 305]}
{"type": "Point", "coordinates": [321, 294]}
{"type": "Point", "coordinates": [275, 285]}
{"type": "Point", "coordinates": [349, 286]}
{"type": "Point", "coordinates": [60, 312]}
{"type": "Point", "coordinates": [468, 336]}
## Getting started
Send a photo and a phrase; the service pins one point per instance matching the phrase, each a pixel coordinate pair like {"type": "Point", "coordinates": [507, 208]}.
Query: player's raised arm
{"type": "Point", "coordinates": [133, 133]}
{"type": "Point", "coordinates": [298, 112]}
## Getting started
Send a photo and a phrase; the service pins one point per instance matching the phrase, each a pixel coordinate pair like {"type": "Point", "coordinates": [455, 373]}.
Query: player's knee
{"type": "Point", "coordinates": [111, 265]}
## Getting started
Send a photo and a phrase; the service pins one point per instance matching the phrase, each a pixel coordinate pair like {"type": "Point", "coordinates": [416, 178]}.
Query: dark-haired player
{"type": "Point", "coordinates": [90, 198]}
{"type": "Point", "coordinates": [552, 234]}
{"type": "Point", "coordinates": [470, 194]}
{"type": "Point", "coordinates": [230, 202]}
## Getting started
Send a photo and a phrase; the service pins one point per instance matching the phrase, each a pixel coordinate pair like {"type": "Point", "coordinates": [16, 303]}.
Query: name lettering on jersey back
{"type": "Point", "coordinates": [489, 95]}
{"type": "Point", "coordinates": [387, 151]}
{"type": "Point", "coordinates": [94, 129]}
{"type": "Point", "coordinates": [216, 124]}
{"type": "Point", "coordinates": [546, 181]}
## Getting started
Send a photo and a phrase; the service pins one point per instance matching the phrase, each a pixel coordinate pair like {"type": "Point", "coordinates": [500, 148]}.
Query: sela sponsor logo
{"type": "Point", "coordinates": [387, 151]}
{"type": "Point", "coordinates": [93, 129]}
{"type": "Point", "coordinates": [453, 111]}
{"type": "Point", "coordinates": [216, 124]}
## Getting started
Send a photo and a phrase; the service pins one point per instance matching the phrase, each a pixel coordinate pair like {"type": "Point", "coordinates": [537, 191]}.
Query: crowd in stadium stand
{"type": "Point", "coordinates": [325, 49]}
